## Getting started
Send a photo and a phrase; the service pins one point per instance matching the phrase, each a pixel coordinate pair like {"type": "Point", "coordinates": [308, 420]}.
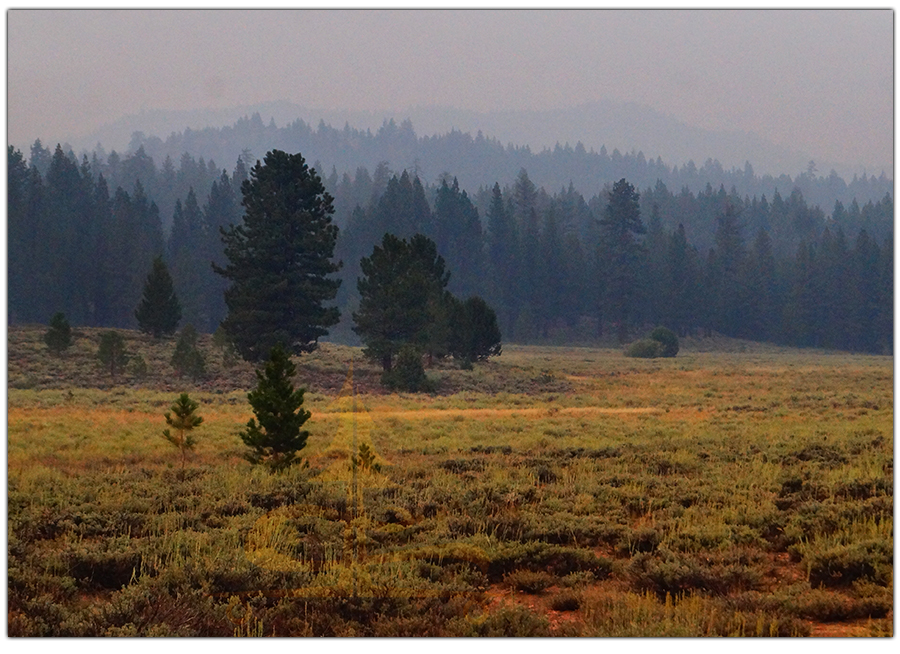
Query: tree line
{"type": "Point", "coordinates": [78, 246]}
{"type": "Point", "coordinates": [552, 266]}
{"type": "Point", "coordinates": [473, 158]}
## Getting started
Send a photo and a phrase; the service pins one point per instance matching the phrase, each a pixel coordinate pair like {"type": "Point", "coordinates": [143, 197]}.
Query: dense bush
{"type": "Point", "coordinates": [645, 349]}
{"type": "Point", "coordinates": [668, 339]}
{"type": "Point", "coordinates": [554, 559]}
{"type": "Point", "coordinates": [567, 600]}
{"type": "Point", "coordinates": [508, 621]}
{"type": "Point", "coordinates": [842, 565]}
{"type": "Point", "coordinates": [666, 572]}
{"type": "Point", "coordinates": [528, 581]}
{"type": "Point", "coordinates": [661, 342]}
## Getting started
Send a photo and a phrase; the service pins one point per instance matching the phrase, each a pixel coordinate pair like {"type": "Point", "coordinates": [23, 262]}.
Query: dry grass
{"type": "Point", "coordinates": [717, 493]}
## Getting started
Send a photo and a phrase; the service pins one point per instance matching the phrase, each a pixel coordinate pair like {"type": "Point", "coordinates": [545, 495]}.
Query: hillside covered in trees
{"type": "Point", "coordinates": [713, 250]}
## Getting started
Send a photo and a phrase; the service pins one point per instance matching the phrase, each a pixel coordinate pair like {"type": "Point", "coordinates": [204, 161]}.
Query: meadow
{"type": "Point", "coordinates": [734, 490]}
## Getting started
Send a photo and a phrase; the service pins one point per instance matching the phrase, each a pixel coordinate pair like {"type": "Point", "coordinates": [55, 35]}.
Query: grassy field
{"type": "Point", "coordinates": [736, 489]}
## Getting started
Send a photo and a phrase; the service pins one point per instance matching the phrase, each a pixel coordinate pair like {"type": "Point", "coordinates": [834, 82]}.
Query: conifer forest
{"type": "Point", "coordinates": [708, 250]}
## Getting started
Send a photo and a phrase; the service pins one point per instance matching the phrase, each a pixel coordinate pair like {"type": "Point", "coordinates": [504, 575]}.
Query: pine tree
{"type": "Point", "coordinates": [159, 311]}
{"type": "Point", "coordinates": [654, 269]}
{"type": "Point", "coordinates": [682, 295]}
{"type": "Point", "coordinates": [184, 421]}
{"type": "Point", "coordinates": [20, 234]}
{"type": "Point", "coordinates": [277, 437]}
{"type": "Point", "coordinates": [112, 353]}
{"type": "Point", "coordinates": [619, 254]}
{"type": "Point", "coordinates": [59, 337]}
{"type": "Point", "coordinates": [762, 302]}
{"type": "Point", "coordinates": [221, 211]}
{"type": "Point", "coordinates": [550, 295]}
{"type": "Point", "coordinates": [459, 238]}
{"type": "Point", "coordinates": [401, 289]}
{"type": "Point", "coordinates": [502, 247]}
{"type": "Point", "coordinates": [146, 241]}
{"type": "Point", "coordinates": [280, 258]}
{"type": "Point", "coordinates": [475, 335]}
{"type": "Point", "coordinates": [187, 359]}
{"type": "Point", "coordinates": [729, 299]}
{"type": "Point", "coordinates": [867, 297]}
{"type": "Point", "coordinates": [190, 268]}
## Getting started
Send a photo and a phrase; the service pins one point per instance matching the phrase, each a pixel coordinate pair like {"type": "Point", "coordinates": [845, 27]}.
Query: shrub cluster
{"type": "Point", "coordinates": [661, 342]}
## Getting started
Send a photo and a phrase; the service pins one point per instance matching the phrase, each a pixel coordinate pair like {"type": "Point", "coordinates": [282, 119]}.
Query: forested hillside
{"type": "Point", "coordinates": [714, 250]}
{"type": "Point", "coordinates": [474, 159]}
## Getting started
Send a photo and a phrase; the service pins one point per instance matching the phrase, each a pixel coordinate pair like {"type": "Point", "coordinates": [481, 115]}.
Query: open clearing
{"type": "Point", "coordinates": [567, 491]}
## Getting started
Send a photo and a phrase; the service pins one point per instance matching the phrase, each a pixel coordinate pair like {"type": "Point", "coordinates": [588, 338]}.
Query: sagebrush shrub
{"type": "Point", "coordinates": [529, 581]}
{"type": "Point", "coordinates": [566, 601]}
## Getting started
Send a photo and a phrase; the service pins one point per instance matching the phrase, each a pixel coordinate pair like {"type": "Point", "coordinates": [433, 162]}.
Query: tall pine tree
{"type": "Point", "coordinates": [280, 259]}
{"type": "Point", "coordinates": [619, 254]}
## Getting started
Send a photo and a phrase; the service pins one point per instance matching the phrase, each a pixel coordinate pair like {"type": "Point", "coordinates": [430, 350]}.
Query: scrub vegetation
{"type": "Point", "coordinates": [735, 489]}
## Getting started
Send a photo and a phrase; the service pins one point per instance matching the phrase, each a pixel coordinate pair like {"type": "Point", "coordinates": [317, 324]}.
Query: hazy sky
{"type": "Point", "coordinates": [820, 81]}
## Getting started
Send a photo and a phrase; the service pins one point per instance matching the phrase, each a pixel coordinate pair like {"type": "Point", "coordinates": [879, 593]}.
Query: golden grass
{"type": "Point", "coordinates": [701, 463]}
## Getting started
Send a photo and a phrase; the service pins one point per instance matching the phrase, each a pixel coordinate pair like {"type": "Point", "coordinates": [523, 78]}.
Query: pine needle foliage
{"type": "Point", "coordinates": [274, 436]}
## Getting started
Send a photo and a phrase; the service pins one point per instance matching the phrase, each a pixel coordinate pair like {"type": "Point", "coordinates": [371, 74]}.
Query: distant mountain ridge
{"type": "Point", "coordinates": [368, 141]}
{"type": "Point", "coordinates": [626, 126]}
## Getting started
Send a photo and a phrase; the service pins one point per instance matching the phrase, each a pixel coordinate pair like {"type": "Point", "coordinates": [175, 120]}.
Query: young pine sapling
{"type": "Point", "coordinates": [183, 420]}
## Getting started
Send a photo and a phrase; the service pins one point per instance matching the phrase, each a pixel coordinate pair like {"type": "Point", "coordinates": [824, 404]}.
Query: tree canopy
{"type": "Point", "coordinates": [280, 259]}
{"type": "Point", "coordinates": [401, 293]}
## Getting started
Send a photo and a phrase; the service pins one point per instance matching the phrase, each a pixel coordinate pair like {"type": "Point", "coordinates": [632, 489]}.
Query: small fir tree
{"type": "Point", "coordinates": [112, 352]}
{"type": "Point", "coordinates": [59, 337]}
{"type": "Point", "coordinates": [159, 310]}
{"type": "Point", "coordinates": [276, 438]}
{"type": "Point", "coordinates": [365, 461]}
{"type": "Point", "coordinates": [187, 358]}
{"type": "Point", "coordinates": [182, 418]}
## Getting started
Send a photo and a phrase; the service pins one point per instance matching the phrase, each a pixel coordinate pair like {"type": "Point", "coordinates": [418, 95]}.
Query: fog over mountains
{"type": "Point", "coordinates": [625, 126]}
